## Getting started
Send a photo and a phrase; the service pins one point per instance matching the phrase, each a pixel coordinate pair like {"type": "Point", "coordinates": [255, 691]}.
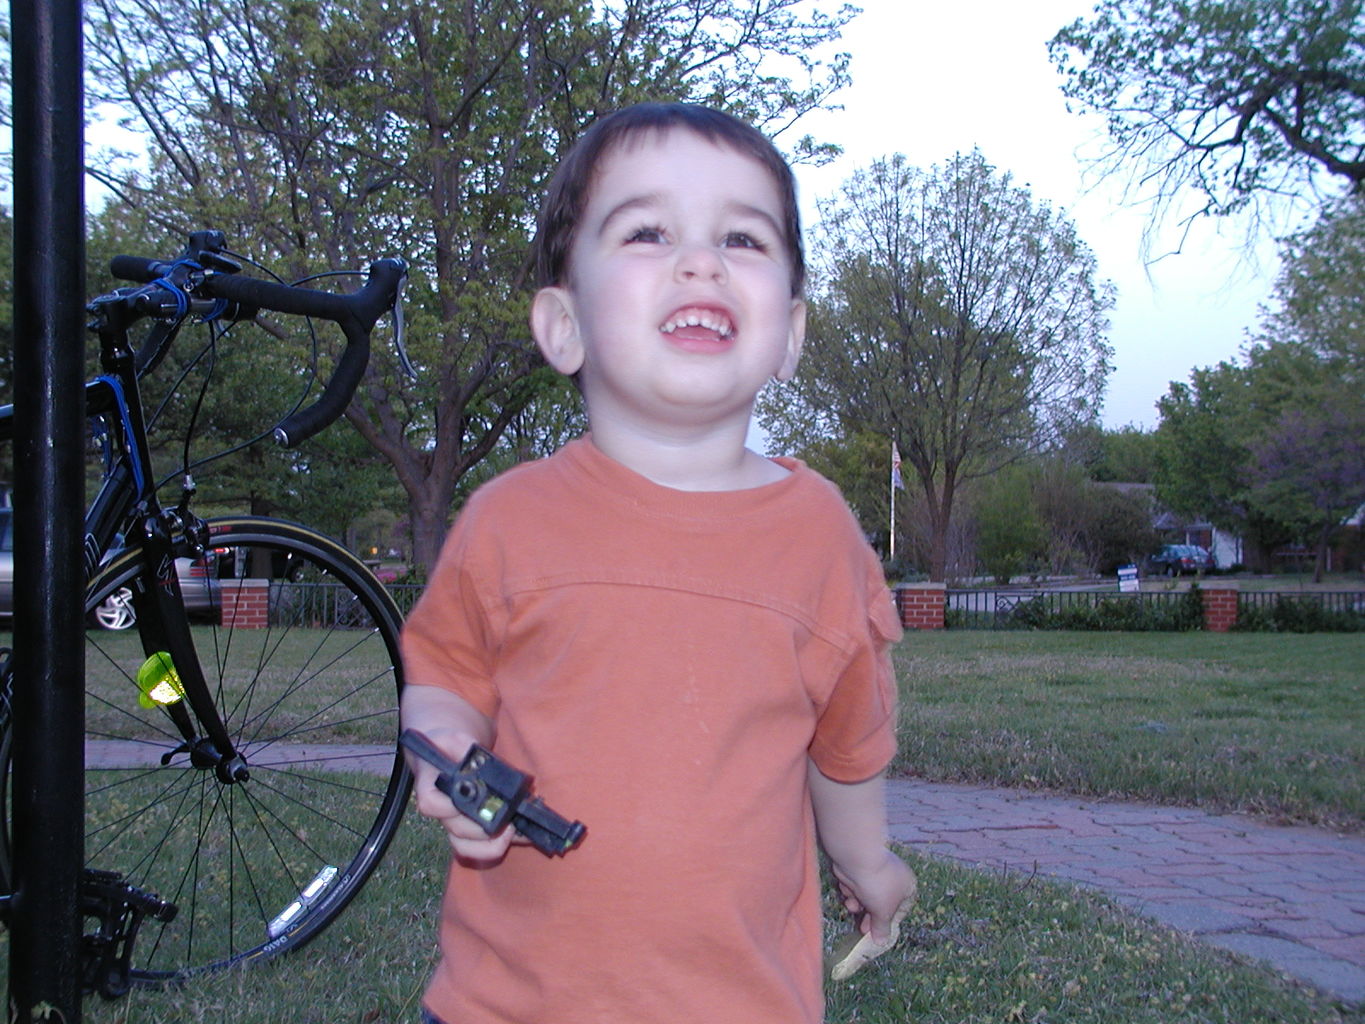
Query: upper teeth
{"type": "Point", "coordinates": [699, 318]}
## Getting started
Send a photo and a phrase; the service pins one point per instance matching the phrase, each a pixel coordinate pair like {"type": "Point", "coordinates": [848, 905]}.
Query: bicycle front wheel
{"type": "Point", "coordinates": [299, 644]}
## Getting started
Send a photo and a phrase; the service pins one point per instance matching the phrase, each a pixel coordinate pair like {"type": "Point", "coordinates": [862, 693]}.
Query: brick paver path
{"type": "Point", "coordinates": [1292, 896]}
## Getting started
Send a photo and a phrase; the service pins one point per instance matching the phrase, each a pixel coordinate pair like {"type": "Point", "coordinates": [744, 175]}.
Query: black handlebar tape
{"type": "Point", "coordinates": [136, 268]}
{"type": "Point", "coordinates": [360, 309]}
{"type": "Point", "coordinates": [355, 314]}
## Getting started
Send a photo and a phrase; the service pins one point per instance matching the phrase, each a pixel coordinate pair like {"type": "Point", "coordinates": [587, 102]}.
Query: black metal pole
{"type": "Point", "coordinates": [49, 655]}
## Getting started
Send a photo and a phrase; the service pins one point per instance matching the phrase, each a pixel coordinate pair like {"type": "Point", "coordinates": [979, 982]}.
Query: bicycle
{"type": "Point", "coordinates": [243, 776]}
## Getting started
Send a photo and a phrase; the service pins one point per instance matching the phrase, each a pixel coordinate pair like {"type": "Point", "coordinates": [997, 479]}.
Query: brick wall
{"type": "Point", "coordinates": [245, 604]}
{"type": "Point", "coordinates": [921, 604]}
{"type": "Point", "coordinates": [1220, 605]}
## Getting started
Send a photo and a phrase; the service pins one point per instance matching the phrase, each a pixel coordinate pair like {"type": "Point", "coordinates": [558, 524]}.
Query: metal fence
{"type": "Point", "coordinates": [1093, 609]}
{"type": "Point", "coordinates": [328, 604]}
{"type": "Point", "coordinates": [1071, 609]}
{"type": "Point", "coordinates": [406, 595]}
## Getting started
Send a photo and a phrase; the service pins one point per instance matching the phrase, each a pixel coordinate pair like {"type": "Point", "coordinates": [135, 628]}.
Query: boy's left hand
{"type": "Point", "coordinates": [879, 899]}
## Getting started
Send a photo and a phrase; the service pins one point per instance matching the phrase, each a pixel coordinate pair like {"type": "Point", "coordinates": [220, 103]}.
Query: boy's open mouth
{"type": "Point", "coordinates": [698, 323]}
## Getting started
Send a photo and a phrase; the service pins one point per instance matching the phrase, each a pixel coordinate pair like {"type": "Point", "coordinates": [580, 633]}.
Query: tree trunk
{"type": "Point", "coordinates": [1320, 555]}
{"type": "Point", "coordinates": [427, 523]}
{"type": "Point", "coordinates": [940, 526]}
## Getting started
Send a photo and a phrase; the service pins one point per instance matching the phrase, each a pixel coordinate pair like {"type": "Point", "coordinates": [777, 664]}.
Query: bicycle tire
{"type": "Point", "coordinates": [310, 700]}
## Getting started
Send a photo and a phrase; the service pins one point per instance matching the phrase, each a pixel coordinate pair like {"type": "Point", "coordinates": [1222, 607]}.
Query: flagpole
{"type": "Point", "coordinates": [893, 522]}
{"type": "Point", "coordinates": [895, 482]}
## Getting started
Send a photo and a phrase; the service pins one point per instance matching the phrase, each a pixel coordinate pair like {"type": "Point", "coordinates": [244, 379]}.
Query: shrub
{"type": "Point", "coordinates": [901, 570]}
{"type": "Point", "coordinates": [1129, 613]}
{"type": "Point", "coordinates": [1298, 615]}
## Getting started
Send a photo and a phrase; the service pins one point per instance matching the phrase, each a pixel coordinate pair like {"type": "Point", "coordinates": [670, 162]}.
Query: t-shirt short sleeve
{"type": "Point", "coordinates": [855, 737]}
{"type": "Point", "coordinates": [447, 639]}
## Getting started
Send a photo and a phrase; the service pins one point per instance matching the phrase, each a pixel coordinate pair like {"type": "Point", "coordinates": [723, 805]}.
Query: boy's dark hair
{"type": "Point", "coordinates": [567, 195]}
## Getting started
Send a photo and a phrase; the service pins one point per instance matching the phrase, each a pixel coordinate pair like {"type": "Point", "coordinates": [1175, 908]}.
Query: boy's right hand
{"type": "Point", "coordinates": [467, 839]}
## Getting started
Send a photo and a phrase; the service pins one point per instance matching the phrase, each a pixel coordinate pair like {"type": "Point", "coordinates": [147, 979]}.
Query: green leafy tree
{"type": "Point", "coordinates": [1121, 528]}
{"type": "Point", "coordinates": [1308, 467]}
{"type": "Point", "coordinates": [1220, 435]}
{"type": "Point", "coordinates": [1240, 101]}
{"type": "Point", "coordinates": [1011, 537]}
{"type": "Point", "coordinates": [1307, 463]}
{"type": "Point", "coordinates": [1202, 453]}
{"type": "Point", "coordinates": [1270, 445]}
{"type": "Point", "coordinates": [1320, 292]}
{"type": "Point", "coordinates": [317, 133]}
{"type": "Point", "coordinates": [952, 314]}
{"type": "Point", "coordinates": [1125, 455]}
{"type": "Point", "coordinates": [1044, 514]}
{"type": "Point", "coordinates": [860, 465]}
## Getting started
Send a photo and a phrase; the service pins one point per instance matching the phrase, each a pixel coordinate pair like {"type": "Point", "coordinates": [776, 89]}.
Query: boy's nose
{"type": "Point", "coordinates": [700, 261]}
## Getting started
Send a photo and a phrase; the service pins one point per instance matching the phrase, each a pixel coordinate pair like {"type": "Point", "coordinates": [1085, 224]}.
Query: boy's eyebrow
{"type": "Point", "coordinates": [748, 209]}
{"type": "Point", "coordinates": [650, 200]}
{"type": "Point", "coordinates": [641, 202]}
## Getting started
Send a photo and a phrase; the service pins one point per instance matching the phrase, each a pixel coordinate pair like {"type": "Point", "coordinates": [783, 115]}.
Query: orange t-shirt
{"type": "Point", "coordinates": [664, 663]}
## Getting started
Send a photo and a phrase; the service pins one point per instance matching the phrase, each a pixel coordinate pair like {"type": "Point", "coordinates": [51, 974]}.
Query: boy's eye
{"type": "Point", "coordinates": [646, 235]}
{"type": "Point", "coordinates": [743, 240]}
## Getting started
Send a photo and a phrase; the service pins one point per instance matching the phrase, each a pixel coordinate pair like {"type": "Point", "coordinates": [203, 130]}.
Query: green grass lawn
{"type": "Point", "coordinates": [981, 949]}
{"type": "Point", "coordinates": [1268, 723]}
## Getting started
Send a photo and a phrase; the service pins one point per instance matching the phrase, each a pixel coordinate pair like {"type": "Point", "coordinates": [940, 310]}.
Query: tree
{"type": "Point", "coordinates": [1121, 529]}
{"type": "Point", "coordinates": [1308, 462]}
{"type": "Point", "coordinates": [1320, 292]}
{"type": "Point", "coordinates": [954, 315]}
{"type": "Point", "coordinates": [1010, 535]}
{"type": "Point", "coordinates": [1043, 514]}
{"type": "Point", "coordinates": [1266, 447]}
{"type": "Point", "coordinates": [1125, 455]}
{"type": "Point", "coordinates": [1241, 101]}
{"type": "Point", "coordinates": [1308, 468]}
{"type": "Point", "coordinates": [1201, 447]}
{"type": "Point", "coordinates": [860, 465]}
{"type": "Point", "coordinates": [317, 133]}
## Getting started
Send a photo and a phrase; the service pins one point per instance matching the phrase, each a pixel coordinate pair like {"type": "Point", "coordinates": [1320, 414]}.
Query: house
{"type": "Point", "coordinates": [1225, 547]}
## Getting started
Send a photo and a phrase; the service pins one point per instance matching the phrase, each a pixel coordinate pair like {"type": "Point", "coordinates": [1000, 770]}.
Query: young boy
{"type": "Point", "coordinates": [684, 642]}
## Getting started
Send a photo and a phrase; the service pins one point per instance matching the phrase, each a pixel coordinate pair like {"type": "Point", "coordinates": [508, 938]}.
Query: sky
{"type": "Point", "coordinates": [934, 79]}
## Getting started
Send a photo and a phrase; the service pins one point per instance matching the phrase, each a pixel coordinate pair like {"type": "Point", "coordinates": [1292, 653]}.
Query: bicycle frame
{"type": "Point", "coordinates": [127, 505]}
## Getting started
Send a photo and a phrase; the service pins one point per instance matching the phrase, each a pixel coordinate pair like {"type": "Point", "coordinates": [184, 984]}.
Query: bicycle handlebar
{"type": "Point", "coordinates": [356, 315]}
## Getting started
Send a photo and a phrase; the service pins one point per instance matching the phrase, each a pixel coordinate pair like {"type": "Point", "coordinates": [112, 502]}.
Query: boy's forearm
{"type": "Point", "coordinates": [850, 818]}
{"type": "Point", "coordinates": [440, 713]}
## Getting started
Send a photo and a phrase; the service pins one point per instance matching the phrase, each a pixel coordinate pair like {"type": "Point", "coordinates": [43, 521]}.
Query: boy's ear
{"type": "Point", "coordinates": [796, 337]}
{"type": "Point", "coordinates": [555, 328]}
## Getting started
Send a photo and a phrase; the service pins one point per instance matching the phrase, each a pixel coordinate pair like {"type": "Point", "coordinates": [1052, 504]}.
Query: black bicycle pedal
{"type": "Point", "coordinates": [493, 794]}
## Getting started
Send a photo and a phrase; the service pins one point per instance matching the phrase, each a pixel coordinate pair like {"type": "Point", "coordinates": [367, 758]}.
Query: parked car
{"type": "Point", "coordinates": [1175, 559]}
{"type": "Point", "coordinates": [198, 584]}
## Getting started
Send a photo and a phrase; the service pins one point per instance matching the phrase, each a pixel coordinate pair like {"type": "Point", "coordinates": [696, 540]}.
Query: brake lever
{"type": "Point", "coordinates": [400, 331]}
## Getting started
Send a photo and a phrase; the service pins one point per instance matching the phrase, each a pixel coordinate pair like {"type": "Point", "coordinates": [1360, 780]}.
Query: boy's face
{"type": "Point", "coordinates": [678, 308]}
